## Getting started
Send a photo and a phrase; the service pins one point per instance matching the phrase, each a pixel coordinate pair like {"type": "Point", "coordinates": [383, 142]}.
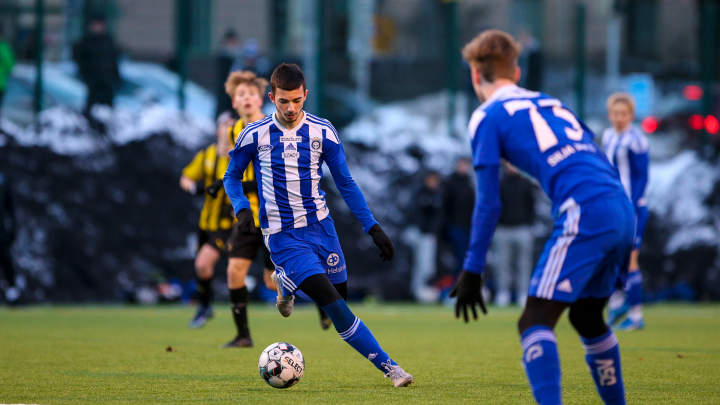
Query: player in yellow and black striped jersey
{"type": "Point", "coordinates": [217, 234]}
{"type": "Point", "coordinates": [246, 91]}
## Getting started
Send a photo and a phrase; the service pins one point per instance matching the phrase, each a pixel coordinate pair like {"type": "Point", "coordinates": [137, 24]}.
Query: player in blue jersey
{"type": "Point", "coordinates": [627, 149]}
{"type": "Point", "coordinates": [287, 151]}
{"type": "Point", "coordinates": [594, 220]}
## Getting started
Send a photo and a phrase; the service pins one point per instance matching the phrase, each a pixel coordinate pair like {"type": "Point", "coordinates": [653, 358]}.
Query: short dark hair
{"type": "Point", "coordinates": [287, 76]}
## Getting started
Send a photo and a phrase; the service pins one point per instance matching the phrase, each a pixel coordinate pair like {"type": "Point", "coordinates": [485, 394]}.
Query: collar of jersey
{"type": "Point", "coordinates": [629, 130]}
{"type": "Point", "coordinates": [289, 131]}
{"type": "Point", "coordinates": [499, 93]}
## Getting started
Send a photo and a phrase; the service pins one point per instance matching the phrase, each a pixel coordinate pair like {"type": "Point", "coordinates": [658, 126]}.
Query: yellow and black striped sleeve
{"type": "Point", "coordinates": [194, 170]}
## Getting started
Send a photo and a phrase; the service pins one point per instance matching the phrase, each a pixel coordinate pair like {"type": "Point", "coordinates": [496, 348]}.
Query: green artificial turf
{"type": "Point", "coordinates": [54, 355]}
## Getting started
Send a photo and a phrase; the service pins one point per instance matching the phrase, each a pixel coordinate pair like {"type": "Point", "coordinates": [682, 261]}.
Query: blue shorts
{"type": "Point", "coordinates": [302, 252]}
{"type": "Point", "coordinates": [589, 249]}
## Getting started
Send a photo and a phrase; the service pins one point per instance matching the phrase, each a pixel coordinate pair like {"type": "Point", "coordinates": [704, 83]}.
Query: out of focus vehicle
{"type": "Point", "coordinates": [678, 114]}
{"type": "Point", "coordinates": [143, 85]}
{"type": "Point", "coordinates": [59, 90]}
{"type": "Point", "coordinates": [146, 84]}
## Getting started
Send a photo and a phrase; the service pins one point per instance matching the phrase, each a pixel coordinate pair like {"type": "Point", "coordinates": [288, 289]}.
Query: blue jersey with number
{"type": "Point", "coordinates": [540, 136]}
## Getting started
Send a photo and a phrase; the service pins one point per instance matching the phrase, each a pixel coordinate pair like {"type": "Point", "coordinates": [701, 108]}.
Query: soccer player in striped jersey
{"type": "Point", "coordinates": [287, 151]}
{"type": "Point", "coordinates": [594, 220]}
{"type": "Point", "coordinates": [627, 148]}
{"type": "Point", "coordinates": [246, 91]}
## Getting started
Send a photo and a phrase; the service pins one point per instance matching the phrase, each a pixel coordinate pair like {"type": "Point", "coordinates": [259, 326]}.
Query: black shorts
{"type": "Point", "coordinates": [202, 238]}
{"type": "Point", "coordinates": [236, 245]}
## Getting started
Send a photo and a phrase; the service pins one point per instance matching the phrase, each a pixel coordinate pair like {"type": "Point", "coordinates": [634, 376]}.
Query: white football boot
{"type": "Point", "coordinates": [399, 377]}
{"type": "Point", "coordinates": [283, 304]}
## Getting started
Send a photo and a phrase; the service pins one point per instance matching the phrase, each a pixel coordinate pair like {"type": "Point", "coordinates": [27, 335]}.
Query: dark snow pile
{"type": "Point", "coordinates": [394, 145]}
{"type": "Point", "coordinates": [101, 215]}
{"type": "Point", "coordinates": [682, 240]}
{"type": "Point", "coordinates": [389, 150]}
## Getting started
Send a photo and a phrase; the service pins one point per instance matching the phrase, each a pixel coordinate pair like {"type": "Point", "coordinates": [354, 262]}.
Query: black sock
{"type": "Point", "coordinates": [239, 300]}
{"type": "Point", "coordinates": [204, 288]}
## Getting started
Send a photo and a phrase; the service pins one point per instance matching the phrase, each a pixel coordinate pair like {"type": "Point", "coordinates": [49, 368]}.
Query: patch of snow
{"type": "Point", "coordinates": [66, 132]}
{"type": "Point", "coordinates": [691, 236]}
{"type": "Point", "coordinates": [678, 188]}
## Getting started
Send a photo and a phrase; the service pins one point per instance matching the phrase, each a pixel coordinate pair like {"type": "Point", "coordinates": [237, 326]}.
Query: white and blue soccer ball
{"type": "Point", "coordinates": [281, 365]}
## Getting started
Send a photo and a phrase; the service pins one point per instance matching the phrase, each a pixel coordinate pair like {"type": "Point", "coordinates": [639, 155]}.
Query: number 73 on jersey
{"type": "Point", "coordinates": [545, 136]}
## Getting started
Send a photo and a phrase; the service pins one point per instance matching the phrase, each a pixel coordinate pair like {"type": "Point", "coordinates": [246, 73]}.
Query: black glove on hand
{"type": "Point", "coordinates": [387, 250]}
{"type": "Point", "coordinates": [197, 189]}
{"type": "Point", "coordinates": [468, 291]}
{"type": "Point", "coordinates": [214, 188]}
{"type": "Point", "coordinates": [246, 222]}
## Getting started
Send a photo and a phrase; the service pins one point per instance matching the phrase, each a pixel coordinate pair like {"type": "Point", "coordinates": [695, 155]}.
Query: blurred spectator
{"type": "Point", "coordinates": [458, 203]}
{"type": "Point", "coordinates": [7, 237]}
{"type": "Point", "coordinates": [531, 61]}
{"type": "Point", "coordinates": [228, 60]}
{"type": "Point", "coordinates": [252, 60]}
{"type": "Point", "coordinates": [514, 238]}
{"type": "Point", "coordinates": [7, 61]}
{"type": "Point", "coordinates": [97, 59]}
{"type": "Point", "coordinates": [429, 220]}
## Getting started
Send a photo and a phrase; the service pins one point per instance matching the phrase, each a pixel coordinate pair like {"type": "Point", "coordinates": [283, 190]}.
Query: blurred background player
{"type": "Point", "coordinates": [627, 149]}
{"type": "Point", "coordinates": [287, 151]}
{"type": "Point", "coordinates": [8, 228]}
{"type": "Point", "coordinates": [245, 91]}
{"type": "Point", "coordinates": [216, 217]}
{"type": "Point", "coordinates": [581, 261]}
{"type": "Point", "coordinates": [513, 242]}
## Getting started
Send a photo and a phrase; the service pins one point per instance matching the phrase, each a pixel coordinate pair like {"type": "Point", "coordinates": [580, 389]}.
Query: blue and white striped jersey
{"type": "Point", "coordinates": [628, 151]}
{"type": "Point", "coordinates": [288, 168]}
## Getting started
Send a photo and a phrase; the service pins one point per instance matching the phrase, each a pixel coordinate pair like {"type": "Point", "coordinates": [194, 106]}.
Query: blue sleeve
{"type": "Point", "coordinates": [639, 164]}
{"type": "Point", "coordinates": [333, 152]}
{"type": "Point", "coordinates": [485, 138]}
{"type": "Point", "coordinates": [352, 195]}
{"type": "Point", "coordinates": [485, 217]}
{"type": "Point", "coordinates": [240, 157]}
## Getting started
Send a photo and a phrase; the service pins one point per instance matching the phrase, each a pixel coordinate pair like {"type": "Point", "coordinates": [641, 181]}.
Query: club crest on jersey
{"type": "Point", "coordinates": [290, 152]}
{"type": "Point", "coordinates": [315, 144]}
{"type": "Point", "coordinates": [263, 148]}
{"type": "Point", "coordinates": [333, 259]}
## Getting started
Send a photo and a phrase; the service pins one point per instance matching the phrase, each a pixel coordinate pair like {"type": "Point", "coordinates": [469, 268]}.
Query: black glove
{"type": "Point", "coordinates": [468, 291]}
{"type": "Point", "coordinates": [246, 222]}
{"type": "Point", "coordinates": [387, 250]}
{"type": "Point", "coordinates": [214, 188]}
{"type": "Point", "coordinates": [197, 189]}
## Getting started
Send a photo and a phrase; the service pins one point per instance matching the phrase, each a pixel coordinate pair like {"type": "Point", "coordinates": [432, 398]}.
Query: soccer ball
{"type": "Point", "coordinates": [281, 365]}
